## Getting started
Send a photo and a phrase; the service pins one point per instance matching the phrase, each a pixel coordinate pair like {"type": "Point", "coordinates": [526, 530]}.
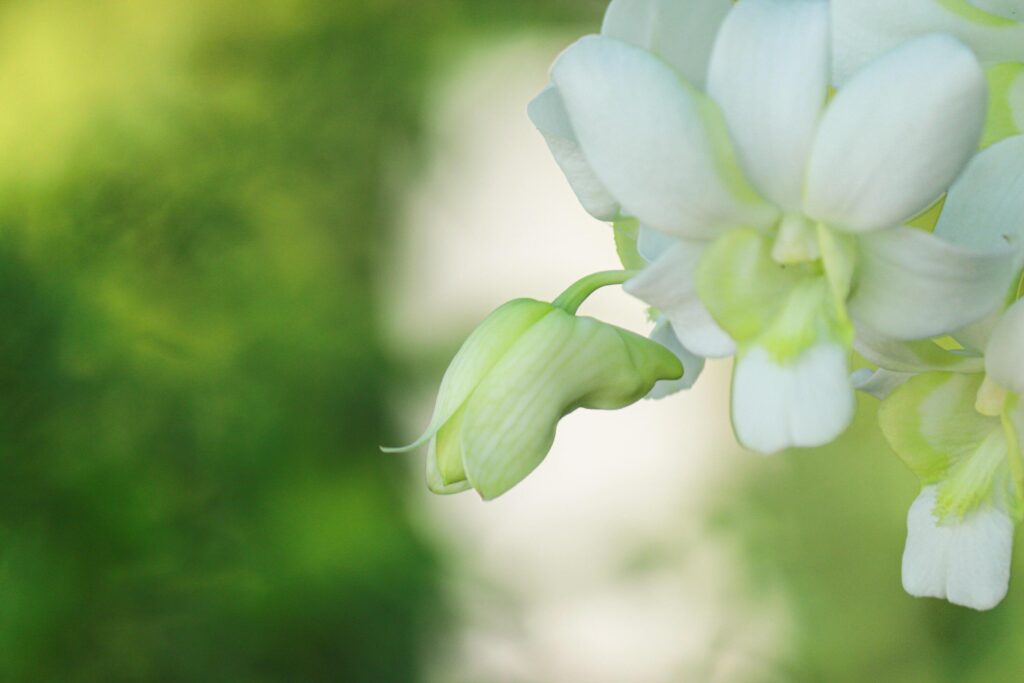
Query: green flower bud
{"type": "Point", "coordinates": [528, 365]}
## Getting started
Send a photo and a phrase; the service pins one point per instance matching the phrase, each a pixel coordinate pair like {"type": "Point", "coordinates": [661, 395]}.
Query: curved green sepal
{"type": "Point", "coordinates": [627, 232]}
{"type": "Point", "coordinates": [446, 451]}
{"type": "Point", "coordinates": [435, 479]}
{"type": "Point", "coordinates": [480, 352]}
{"type": "Point", "coordinates": [560, 364]}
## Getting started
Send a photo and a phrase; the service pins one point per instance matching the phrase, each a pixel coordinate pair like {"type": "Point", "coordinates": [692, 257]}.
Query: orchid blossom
{"type": "Point", "coordinates": [993, 29]}
{"type": "Point", "coordinates": [960, 433]}
{"type": "Point", "coordinates": [958, 424]}
{"type": "Point", "coordinates": [775, 217]}
{"type": "Point", "coordinates": [788, 181]}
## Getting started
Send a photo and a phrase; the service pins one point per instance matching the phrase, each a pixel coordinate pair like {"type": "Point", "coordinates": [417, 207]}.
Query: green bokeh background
{"type": "Point", "coordinates": [194, 200]}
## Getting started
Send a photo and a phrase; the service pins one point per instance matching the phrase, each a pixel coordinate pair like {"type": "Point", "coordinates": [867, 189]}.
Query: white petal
{"type": "Point", "coordinates": [669, 284]}
{"type": "Point", "coordinates": [878, 383]}
{"type": "Point", "coordinates": [770, 73]}
{"type": "Point", "coordinates": [651, 243]}
{"type": "Point", "coordinates": [974, 338]}
{"type": "Point", "coordinates": [654, 141]}
{"type": "Point", "coordinates": [985, 208]}
{"type": "Point", "coordinates": [913, 285]}
{"type": "Point", "coordinates": [693, 365]}
{"type": "Point", "coordinates": [1004, 357]}
{"type": "Point", "coordinates": [548, 114]}
{"type": "Point", "coordinates": [1010, 9]}
{"type": "Point", "coordinates": [914, 356]}
{"type": "Point", "coordinates": [896, 136]}
{"type": "Point", "coordinates": [805, 402]}
{"type": "Point", "coordinates": [865, 29]}
{"type": "Point", "coordinates": [966, 562]}
{"type": "Point", "coordinates": [681, 33]}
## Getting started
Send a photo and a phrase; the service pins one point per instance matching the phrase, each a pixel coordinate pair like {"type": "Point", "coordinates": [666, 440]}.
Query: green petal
{"type": "Point", "coordinates": [480, 352]}
{"type": "Point", "coordinates": [560, 364]}
{"type": "Point", "coordinates": [839, 258]}
{"type": "Point", "coordinates": [435, 481]}
{"type": "Point", "coordinates": [446, 451]}
{"type": "Point", "coordinates": [972, 479]}
{"type": "Point", "coordinates": [791, 383]}
{"type": "Point", "coordinates": [914, 356]}
{"type": "Point", "coordinates": [782, 308]}
{"type": "Point", "coordinates": [932, 425]}
{"type": "Point", "coordinates": [742, 286]}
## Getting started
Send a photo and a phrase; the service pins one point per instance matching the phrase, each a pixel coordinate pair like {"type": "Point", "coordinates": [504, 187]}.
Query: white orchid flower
{"type": "Point", "coordinates": [865, 29]}
{"type": "Point", "coordinates": [774, 215]}
{"type": "Point", "coordinates": [681, 33]}
{"type": "Point", "coordinates": [961, 435]}
{"type": "Point", "coordinates": [958, 425]}
{"type": "Point", "coordinates": [693, 365]}
{"type": "Point", "coordinates": [984, 210]}
{"type": "Point", "coordinates": [994, 29]}
{"type": "Point", "coordinates": [525, 367]}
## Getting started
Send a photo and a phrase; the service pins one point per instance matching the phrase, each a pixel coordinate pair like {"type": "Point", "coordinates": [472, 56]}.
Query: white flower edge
{"type": "Point", "coordinates": [681, 33]}
{"type": "Point", "coordinates": [1004, 357]}
{"type": "Point", "coordinates": [985, 207]}
{"type": "Point", "coordinates": [804, 402]}
{"type": "Point", "coordinates": [693, 365]}
{"type": "Point", "coordinates": [864, 29]}
{"type": "Point", "coordinates": [966, 562]}
{"type": "Point", "coordinates": [878, 383]}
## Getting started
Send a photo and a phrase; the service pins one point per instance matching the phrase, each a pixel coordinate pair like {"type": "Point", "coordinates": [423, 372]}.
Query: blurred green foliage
{"type": "Point", "coordinates": [194, 196]}
{"type": "Point", "coordinates": [190, 201]}
{"type": "Point", "coordinates": [827, 527]}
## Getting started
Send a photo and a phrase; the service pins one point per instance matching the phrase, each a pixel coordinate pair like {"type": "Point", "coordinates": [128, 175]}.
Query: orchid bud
{"type": "Point", "coordinates": [528, 365]}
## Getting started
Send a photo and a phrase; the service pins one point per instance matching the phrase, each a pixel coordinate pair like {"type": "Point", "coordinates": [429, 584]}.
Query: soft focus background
{"type": "Point", "coordinates": [239, 242]}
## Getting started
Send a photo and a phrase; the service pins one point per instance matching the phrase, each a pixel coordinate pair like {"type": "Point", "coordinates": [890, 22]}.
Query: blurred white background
{"type": "Point", "coordinates": [600, 566]}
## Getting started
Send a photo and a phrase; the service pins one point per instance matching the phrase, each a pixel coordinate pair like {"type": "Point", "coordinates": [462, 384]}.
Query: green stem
{"type": "Point", "coordinates": [572, 298]}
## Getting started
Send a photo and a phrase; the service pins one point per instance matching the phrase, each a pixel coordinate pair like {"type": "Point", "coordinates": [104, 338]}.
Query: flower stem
{"type": "Point", "coordinates": [572, 298]}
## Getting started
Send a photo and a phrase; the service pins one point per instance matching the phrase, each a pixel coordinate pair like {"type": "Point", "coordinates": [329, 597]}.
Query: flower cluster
{"type": "Point", "coordinates": [792, 183]}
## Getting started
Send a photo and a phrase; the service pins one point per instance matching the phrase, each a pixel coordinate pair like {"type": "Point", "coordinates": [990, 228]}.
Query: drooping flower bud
{"type": "Point", "coordinates": [528, 365]}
